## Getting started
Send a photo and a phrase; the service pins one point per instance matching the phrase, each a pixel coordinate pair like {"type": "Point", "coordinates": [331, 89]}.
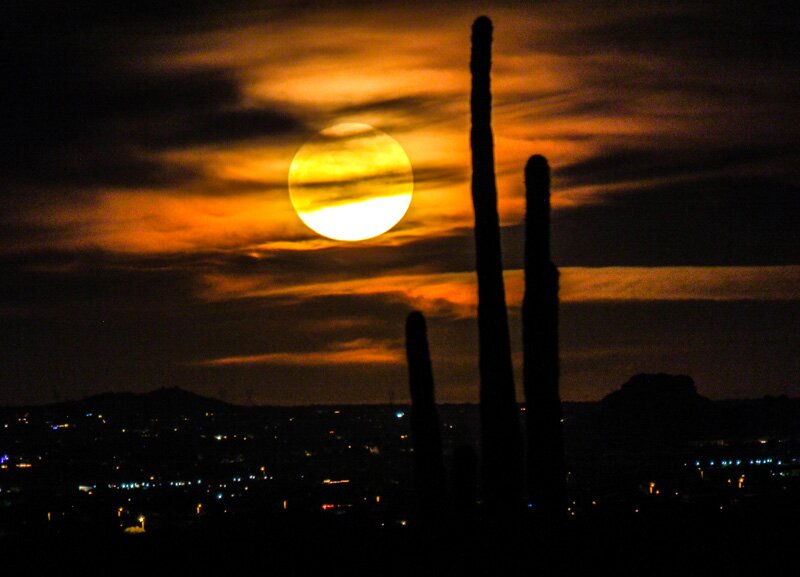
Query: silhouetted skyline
{"type": "Point", "coordinates": [148, 239]}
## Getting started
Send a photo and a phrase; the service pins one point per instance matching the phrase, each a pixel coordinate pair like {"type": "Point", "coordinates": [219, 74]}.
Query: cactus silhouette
{"type": "Point", "coordinates": [429, 473]}
{"type": "Point", "coordinates": [464, 482]}
{"type": "Point", "coordinates": [501, 439]}
{"type": "Point", "coordinates": [546, 475]}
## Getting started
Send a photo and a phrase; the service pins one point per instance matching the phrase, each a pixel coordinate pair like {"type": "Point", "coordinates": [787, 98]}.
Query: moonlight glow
{"type": "Point", "coordinates": [351, 182]}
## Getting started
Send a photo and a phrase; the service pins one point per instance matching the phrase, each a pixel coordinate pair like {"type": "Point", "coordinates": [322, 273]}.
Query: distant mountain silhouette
{"type": "Point", "coordinates": [655, 409]}
{"type": "Point", "coordinates": [162, 401]}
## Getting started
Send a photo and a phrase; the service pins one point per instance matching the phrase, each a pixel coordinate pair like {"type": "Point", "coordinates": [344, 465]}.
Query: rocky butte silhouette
{"type": "Point", "coordinates": [654, 410]}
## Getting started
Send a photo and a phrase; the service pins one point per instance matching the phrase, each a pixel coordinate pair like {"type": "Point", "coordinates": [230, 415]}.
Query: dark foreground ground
{"type": "Point", "coordinates": [720, 545]}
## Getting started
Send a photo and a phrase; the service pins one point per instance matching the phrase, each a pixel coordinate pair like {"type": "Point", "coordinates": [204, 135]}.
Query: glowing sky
{"type": "Point", "coordinates": [148, 238]}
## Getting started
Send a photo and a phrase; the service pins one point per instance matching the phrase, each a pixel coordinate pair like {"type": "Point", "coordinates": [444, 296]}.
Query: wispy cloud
{"type": "Point", "coordinates": [144, 184]}
{"type": "Point", "coordinates": [216, 101]}
{"type": "Point", "coordinates": [356, 352]}
{"type": "Point", "coordinates": [780, 283]}
{"type": "Point", "coordinates": [456, 293]}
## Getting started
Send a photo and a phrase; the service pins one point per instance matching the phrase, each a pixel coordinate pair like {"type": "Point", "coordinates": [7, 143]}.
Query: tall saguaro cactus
{"type": "Point", "coordinates": [429, 473]}
{"type": "Point", "coordinates": [501, 440]}
{"type": "Point", "coordinates": [464, 484]}
{"type": "Point", "coordinates": [546, 475]}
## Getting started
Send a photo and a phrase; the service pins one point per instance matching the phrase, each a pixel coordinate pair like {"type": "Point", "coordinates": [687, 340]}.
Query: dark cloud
{"type": "Point", "coordinates": [451, 253]}
{"type": "Point", "coordinates": [83, 106]}
{"type": "Point", "coordinates": [635, 164]}
{"type": "Point", "coordinates": [226, 126]}
{"type": "Point", "coordinates": [721, 29]}
{"type": "Point", "coordinates": [725, 67]}
{"type": "Point", "coordinates": [147, 16]}
{"type": "Point", "coordinates": [80, 324]}
{"type": "Point", "coordinates": [406, 105]}
{"type": "Point", "coordinates": [700, 221]}
{"type": "Point", "coordinates": [55, 283]}
{"type": "Point", "coordinates": [16, 236]}
{"type": "Point", "coordinates": [442, 175]}
{"type": "Point", "coordinates": [73, 327]}
{"type": "Point", "coordinates": [76, 323]}
{"type": "Point", "coordinates": [732, 349]}
{"type": "Point", "coordinates": [712, 221]}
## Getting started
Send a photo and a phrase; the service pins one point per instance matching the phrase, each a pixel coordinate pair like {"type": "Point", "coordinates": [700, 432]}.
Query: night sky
{"type": "Point", "coordinates": [147, 237]}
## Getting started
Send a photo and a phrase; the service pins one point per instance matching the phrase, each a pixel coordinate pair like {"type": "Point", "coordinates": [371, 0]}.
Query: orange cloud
{"type": "Point", "coordinates": [359, 351]}
{"type": "Point", "coordinates": [455, 293]}
{"type": "Point", "coordinates": [449, 293]}
{"type": "Point", "coordinates": [681, 283]}
{"type": "Point", "coordinates": [406, 72]}
{"type": "Point", "coordinates": [159, 222]}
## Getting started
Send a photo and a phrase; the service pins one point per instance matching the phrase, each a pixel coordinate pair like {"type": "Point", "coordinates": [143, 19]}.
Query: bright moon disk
{"type": "Point", "coordinates": [351, 182]}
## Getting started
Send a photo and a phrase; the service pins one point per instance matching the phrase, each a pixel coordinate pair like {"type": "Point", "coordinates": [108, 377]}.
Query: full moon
{"type": "Point", "coordinates": [351, 182]}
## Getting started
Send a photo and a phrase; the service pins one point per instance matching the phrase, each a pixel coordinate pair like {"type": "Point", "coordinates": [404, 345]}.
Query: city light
{"type": "Point", "coordinates": [323, 483]}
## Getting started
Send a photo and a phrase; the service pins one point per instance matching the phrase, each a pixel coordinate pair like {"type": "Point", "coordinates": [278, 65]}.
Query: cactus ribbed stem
{"type": "Point", "coordinates": [429, 473]}
{"type": "Point", "coordinates": [546, 475]}
{"type": "Point", "coordinates": [501, 440]}
{"type": "Point", "coordinates": [465, 484]}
